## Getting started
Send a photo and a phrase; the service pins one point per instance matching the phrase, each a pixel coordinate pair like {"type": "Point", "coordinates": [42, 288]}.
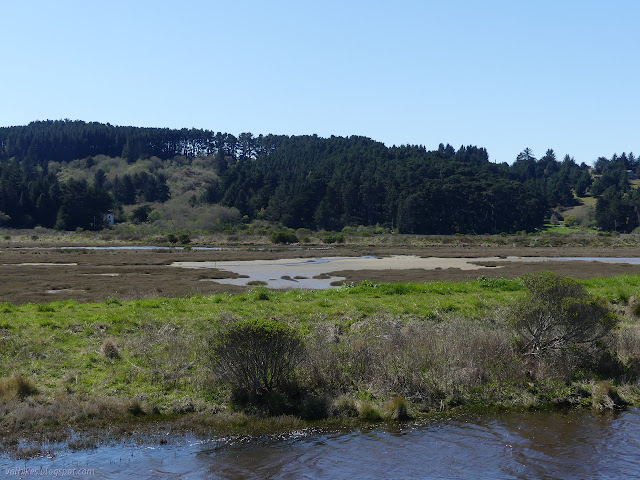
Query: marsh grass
{"type": "Point", "coordinates": [17, 386]}
{"type": "Point", "coordinates": [396, 409]}
{"type": "Point", "coordinates": [369, 412]}
{"type": "Point", "coordinates": [436, 346]}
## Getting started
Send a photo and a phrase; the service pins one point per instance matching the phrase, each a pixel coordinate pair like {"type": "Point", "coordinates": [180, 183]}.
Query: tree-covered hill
{"type": "Point", "coordinates": [66, 174]}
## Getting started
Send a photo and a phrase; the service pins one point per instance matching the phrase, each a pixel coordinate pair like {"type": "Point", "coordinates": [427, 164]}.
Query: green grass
{"type": "Point", "coordinates": [578, 211]}
{"type": "Point", "coordinates": [162, 344]}
{"type": "Point", "coordinates": [550, 229]}
{"type": "Point", "coordinates": [58, 345]}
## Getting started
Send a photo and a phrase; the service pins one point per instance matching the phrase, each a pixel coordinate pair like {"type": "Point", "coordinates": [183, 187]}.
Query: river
{"type": "Point", "coordinates": [524, 445]}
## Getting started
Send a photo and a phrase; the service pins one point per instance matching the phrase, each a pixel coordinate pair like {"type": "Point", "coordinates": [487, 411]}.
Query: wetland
{"type": "Point", "coordinates": [106, 356]}
{"type": "Point", "coordinates": [47, 272]}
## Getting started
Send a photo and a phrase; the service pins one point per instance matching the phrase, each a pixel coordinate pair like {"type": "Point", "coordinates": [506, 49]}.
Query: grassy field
{"type": "Point", "coordinates": [58, 345]}
{"type": "Point", "coordinates": [370, 349]}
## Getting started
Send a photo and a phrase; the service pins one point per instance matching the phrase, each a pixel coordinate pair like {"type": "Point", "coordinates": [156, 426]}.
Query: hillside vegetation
{"type": "Point", "coordinates": [68, 174]}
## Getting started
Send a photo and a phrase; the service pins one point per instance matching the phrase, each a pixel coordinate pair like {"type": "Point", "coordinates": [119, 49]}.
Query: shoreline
{"type": "Point", "coordinates": [233, 427]}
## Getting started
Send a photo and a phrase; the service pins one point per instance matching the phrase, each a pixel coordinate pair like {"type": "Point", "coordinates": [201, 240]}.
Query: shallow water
{"type": "Point", "coordinates": [574, 445]}
{"type": "Point", "coordinates": [315, 273]}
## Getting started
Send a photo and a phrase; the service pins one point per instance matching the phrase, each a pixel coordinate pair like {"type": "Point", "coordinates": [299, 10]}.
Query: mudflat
{"type": "Point", "coordinates": [37, 274]}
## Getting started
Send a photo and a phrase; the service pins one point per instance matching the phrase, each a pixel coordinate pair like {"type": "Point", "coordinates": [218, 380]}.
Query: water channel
{"type": "Point", "coordinates": [523, 445]}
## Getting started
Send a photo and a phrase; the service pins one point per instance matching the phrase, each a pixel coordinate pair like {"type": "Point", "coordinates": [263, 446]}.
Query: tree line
{"type": "Point", "coordinates": [309, 181]}
{"type": "Point", "coordinates": [323, 183]}
{"type": "Point", "coordinates": [28, 200]}
{"type": "Point", "coordinates": [61, 141]}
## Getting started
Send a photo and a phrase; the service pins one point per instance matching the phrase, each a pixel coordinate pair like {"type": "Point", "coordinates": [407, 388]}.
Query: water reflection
{"type": "Point", "coordinates": [318, 273]}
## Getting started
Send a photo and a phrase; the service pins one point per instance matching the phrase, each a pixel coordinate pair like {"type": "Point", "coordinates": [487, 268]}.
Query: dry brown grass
{"type": "Point", "coordinates": [423, 361]}
{"type": "Point", "coordinates": [17, 386]}
{"type": "Point", "coordinates": [110, 349]}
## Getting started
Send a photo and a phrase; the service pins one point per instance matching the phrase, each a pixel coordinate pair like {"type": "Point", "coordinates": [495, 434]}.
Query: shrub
{"type": "Point", "coordinates": [571, 221]}
{"type": "Point", "coordinates": [256, 357]}
{"type": "Point", "coordinates": [171, 238]}
{"type": "Point", "coordinates": [283, 237]}
{"type": "Point", "coordinates": [141, 214]}
{"type": "Point", "coordinates": [558, 313]}
{"type": "Point", "coordinates": [184, 238]}
{"type": "Point", "coordinates": [333, 239]}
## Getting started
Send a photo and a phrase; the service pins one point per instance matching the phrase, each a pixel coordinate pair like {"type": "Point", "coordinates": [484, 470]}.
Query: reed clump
{"type": "Point", "coordinates": [17, 386]}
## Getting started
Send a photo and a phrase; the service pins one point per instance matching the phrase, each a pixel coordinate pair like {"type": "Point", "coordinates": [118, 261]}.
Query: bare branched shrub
{"type": "Point", "coordinates": [633, 307]}
{"type": "Point", "coordinates": [421, 361]}
{"type": "Point", "coordinates": [168, 353]}
{"type": "Point", "coordinates": [625, 342]}
{"type": "Point", "coordinates": [465, 354]}
{"type": "Point", "coordinates": [105, 408]}
{"type": "Point", "coordinates": [558, 313]}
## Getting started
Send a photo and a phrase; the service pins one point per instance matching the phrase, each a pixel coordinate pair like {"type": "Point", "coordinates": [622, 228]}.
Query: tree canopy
{"type": "Point", "coordinates": [306, 181]}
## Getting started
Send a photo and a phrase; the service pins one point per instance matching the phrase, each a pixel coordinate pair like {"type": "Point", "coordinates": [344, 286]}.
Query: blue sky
{"type": "Point", "coordinates": [503, 75]}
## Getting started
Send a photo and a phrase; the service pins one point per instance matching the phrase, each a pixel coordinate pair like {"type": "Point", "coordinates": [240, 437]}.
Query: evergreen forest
{"type": "Point", "coordinates": [67, 174]}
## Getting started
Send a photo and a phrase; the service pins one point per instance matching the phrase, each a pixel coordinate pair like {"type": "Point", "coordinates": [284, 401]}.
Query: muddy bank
{"type": "Point", "coordinates": [38, 275]}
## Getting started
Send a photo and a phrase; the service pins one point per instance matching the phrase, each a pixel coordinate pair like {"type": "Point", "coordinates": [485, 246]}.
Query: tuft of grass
{"type": "Point", "coordinates": [368, 412]}
{"type": "Point", "coordinates": [110, 349]}
{"type": "Point", "coordinates": [261, 294]}
{"type": "Point", "coordinates": [396, 409]}
{"type": "Point", "coordinates": [6, 307]}
{"type": "Point", "coordinates": [605, 396]}
{"type": "Point", "coordinates": [345, 407]}
{"type": "Point", "coordinates": [135, 408]}
{"type": "Point", "coordinates": [17, 386]}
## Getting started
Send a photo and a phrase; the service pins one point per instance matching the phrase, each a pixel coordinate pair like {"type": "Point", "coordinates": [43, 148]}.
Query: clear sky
{"type": "Point", "coordinates": [503, 75]}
